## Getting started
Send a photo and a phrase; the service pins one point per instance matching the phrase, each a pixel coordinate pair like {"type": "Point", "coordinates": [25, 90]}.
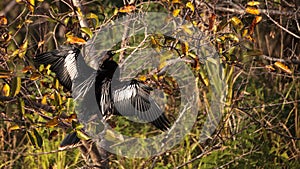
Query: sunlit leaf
{"type": "Point", "coordinates": [87, 31]}
{"type": "Point", "coordinates": [31, 4]}
{"type": "Point", "coordinates": [176, 1]}
{"type": "Point", "coordinates": [77, 125]}
{"type": "Point", "coordinates": [283, 67]}
{"type": "Point", "coordinates": [44, 99]}
{"type": "Point", "coordinates": [116, 11]}
{"type": "Point", "coordinates": [14, 127]}
{"type": "Point", "coordinates": [270, 67]}
{"type": "Point", "coordinates": [255, 21]}
{"type": "Point", "coordinates": [142, 78]}
{"type": "Point", "coordinates": [253, 3]}
{"type": "Point", "coordinates": [53, 122]}
{"type": "Point", "coordinates": [27, 68]}
{"type": "Point", "coordinates": [6, 90]}
{"type": "Point", "coordinates": [252, 10]}
{"type": "Point", "coordinates": [155, 44]}
{"type": "Point", "coordinates": [191, 6]}
{"type": "Point", "coordinates": [82, 135]}
{"type": "Point", "coordinates": [245, 32]}
{"type": "Point", "coordinates": [258, 19]}
{"type": "Point", "coordinates": [235, 21]}
{"type": "Point", "coordinates": [3, 20]}
{"type": "Point", "coordinates": [15, 86]}
{"type": "Point", "coordinates": [23, 49]}
{"type": "Point", "coordinates": [93, 16]}
{"type": "Point", "coordinates": [57, 97]}
{"type": "Point", "coordinates": [75, 40]}
{"type": "Point", "coordinates": [176, 12]}
{"type": "Point", "coordinates": [19, 1]}
{"type": "Point", "coordinates": [127, 9]}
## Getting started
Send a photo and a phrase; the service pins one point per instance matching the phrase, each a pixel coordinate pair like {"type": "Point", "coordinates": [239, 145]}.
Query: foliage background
{"type": "Point", "coordinates": [258, 45]}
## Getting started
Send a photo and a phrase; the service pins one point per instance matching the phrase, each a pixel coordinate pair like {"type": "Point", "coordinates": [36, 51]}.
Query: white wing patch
{"type": "Point", "coordinates": [70, 65]}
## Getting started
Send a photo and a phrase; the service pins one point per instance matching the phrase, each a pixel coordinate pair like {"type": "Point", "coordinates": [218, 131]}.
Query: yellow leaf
{"type": "Point", "coordinates": [23, 49]}
{"type": "Point", "coordinates": [28, 21]}
{"type": "Point", "coordinates": [31, 4]}
{"type": "Point", "coordinates": [233, 37]}
{"type": "Point", "coordinates": [191, 6]}
{"type": "Point", "coordinates": [176, 12]}
{"type": "Point", "coordinates": [253, 3]}
{"type": "Point", "coordinates": [14, 127]}
{"type": "Point", "coordinates": [283, 67]}
{"type": "Point", "coordinates": [19, 1]}
{"type": "Point", "coordinates": [270, 67]}
{"type": "Point", "coordinates": [87, 31]}
{"type": "Point", "coordinates": [82, 135]}
{"type": "Point", "coordinates": [53, 122]}
{"type": "Point", "coordinates": [116, 11]}
{"type": "Point", "coordinates": [44, 99]}
{"type": "Point", "coordinates": [155, 44]}
{"type": "Point", "coordinates": [176, 1]}
{"type": "Point", "coordinates": [252, 10]}
{"type": "Point", "coordinates": [143, 78]}
{"type": "Point", "coordinates": [75, 40]}
{"type": "Point", "coordinates": [127, 9]}
{"type": "Point", "coordinates": [245, 32]}
{"type": "Point", "coordinates": [3, 20]}
{"type": "Point", "coordinates": [235, 21]}
{"type": "Point", "coordinates": [6, 89]}
{"type": "Point", "coordinates": [257, 19]}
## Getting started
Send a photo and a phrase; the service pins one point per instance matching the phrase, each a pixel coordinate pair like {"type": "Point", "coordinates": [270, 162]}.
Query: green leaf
{"type": "Point", "coordinates": [21, 106]}
{"type": "Point", "coordinates": [82, 135]}
{"type": "Point", "coordinates": [15, 86]}
{"type": "Point", "coordinates": [93, 16]}
{"type": "Point", "coordinates": [87, 31]}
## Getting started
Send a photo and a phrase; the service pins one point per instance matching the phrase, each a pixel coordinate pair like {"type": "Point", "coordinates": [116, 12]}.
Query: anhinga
{"type": "Point", "coordinates": [114, 97]}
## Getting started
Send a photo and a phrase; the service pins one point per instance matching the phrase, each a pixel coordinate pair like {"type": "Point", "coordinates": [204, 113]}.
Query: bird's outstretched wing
{"type": "Point", "coordinates": [63, 63]}
{"type": "Point", "coordinates": [133, 100]}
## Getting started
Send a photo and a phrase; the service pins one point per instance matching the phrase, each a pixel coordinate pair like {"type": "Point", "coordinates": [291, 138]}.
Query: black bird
{"type": "Point", "coordinates": [114, 97]}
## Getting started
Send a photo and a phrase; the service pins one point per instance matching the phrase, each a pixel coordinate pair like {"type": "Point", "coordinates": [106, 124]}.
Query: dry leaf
{"type": "Point", "coordinates": [283, 67]}
{"type": "Point", "coordinates": [53, 122]}
{"type": "Point", "coordinates": [75, 40]}
{"type": "Point", "coordinates": [127, 9]}
{"type": "Point", "coordinates": [252, 10]}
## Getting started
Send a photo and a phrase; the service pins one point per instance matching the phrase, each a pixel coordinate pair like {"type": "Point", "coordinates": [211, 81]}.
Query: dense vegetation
{"type": "Point", "coordinates": [257, 43]}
